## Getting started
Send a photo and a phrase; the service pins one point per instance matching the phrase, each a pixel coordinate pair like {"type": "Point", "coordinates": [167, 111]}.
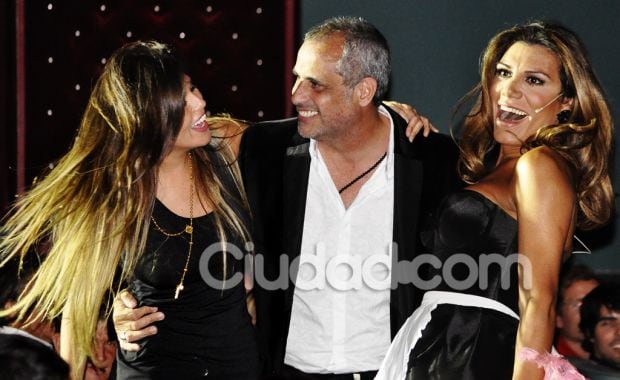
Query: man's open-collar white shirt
{"type": "Point", "coordinates": [340, 320]}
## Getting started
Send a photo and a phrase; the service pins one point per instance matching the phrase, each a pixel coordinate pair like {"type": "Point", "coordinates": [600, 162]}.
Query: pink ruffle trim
{"type": "Point", "coordinates": [556, 366]}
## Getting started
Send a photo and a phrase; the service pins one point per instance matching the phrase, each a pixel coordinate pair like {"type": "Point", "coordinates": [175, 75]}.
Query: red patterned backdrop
{"type": "Point", "coordinates": [239, 52]}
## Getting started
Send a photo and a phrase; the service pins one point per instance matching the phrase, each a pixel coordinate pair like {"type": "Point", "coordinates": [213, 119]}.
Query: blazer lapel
{"type": "Point", "coordinates": [407, 193]}
{"type": "Point", "coordinates": [408, 182]}
{"type": "Point", "coordinates": [295, 181]}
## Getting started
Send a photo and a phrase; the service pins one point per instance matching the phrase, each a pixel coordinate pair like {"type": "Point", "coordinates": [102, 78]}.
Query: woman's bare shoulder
{"type": "Point", "coordinates": [543, 170]}
{"type": "Point", "coordinates": [542, 160]}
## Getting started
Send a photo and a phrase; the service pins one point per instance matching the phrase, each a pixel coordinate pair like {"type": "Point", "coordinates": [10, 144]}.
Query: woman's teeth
{"type": "Point", "coordinates": [200, 121]}
{"type": "Point", "coordinates": [510, 114]}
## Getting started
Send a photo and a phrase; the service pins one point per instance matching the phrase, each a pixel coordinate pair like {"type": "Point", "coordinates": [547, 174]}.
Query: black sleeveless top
{"type": "Point", "coordinates": [476, 244]}
{"type": "Point", "coordinates": [473, 230]}
{"type": "Point", "coordinates": [207, 332]}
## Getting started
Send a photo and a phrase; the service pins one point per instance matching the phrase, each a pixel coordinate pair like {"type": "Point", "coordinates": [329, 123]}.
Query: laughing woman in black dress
{"type": "Point", "coordinates": [541, 110]}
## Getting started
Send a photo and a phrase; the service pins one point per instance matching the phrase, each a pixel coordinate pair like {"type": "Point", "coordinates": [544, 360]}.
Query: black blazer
{"type": "Point", "coordinates": [275, 164]}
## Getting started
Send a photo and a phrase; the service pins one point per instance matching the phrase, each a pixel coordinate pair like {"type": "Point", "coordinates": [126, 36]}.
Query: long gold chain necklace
{"type": "Point", "coordinates": [189, 228]}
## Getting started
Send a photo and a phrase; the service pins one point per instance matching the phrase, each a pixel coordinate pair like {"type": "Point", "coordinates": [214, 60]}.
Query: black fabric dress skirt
{"type": "Point", "coordinates": [466, 327]}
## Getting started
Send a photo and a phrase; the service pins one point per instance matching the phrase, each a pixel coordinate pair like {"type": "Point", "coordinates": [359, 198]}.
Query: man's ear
{"type": "Point", "coordinates": [365, 90]}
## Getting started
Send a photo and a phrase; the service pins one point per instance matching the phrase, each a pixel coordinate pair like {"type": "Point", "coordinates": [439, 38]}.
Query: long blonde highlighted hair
{"type": "Point", "coordinates": [94, 207]}
{"type": "Point", "coordinates": [584, 140]}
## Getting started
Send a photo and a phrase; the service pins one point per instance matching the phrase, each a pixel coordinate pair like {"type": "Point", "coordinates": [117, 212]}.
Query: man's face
{"type": "Point", "coordinates": [324, 104]}
{"type": "Point", "coordinates": [105, 353]}
{"type": "Point", "coordinates": [567, 320]}
{"type": "Point", "coordinates": [606, 337]}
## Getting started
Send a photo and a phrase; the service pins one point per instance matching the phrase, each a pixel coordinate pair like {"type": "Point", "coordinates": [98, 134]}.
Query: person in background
{"type": "Point", "coordinates": [14, 276]}
{"type": "Point", "coordinates": [576, 281]}
{"type": "Point", "coordinates": [535, 149]}
{"type": "Point", "coordinates": [102, 365]}
{"type": "Point", "coordinates": [600, 325]}
{"type": "Point", "coordinates": [22, 358]}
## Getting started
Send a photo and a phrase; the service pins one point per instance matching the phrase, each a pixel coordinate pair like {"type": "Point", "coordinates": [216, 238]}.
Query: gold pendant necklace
{"type": "Point", "coordinates": [189, 228]}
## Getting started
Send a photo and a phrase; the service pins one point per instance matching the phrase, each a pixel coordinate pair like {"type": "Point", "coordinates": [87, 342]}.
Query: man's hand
{"type": "Point", "coordinates": [131, 323]}
{"type": "Point", "coordinates": [415, 122]}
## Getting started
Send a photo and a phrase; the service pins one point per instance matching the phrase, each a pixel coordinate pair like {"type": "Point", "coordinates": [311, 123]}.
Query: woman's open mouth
{"type": "Point", "coordinates": [510, 114]}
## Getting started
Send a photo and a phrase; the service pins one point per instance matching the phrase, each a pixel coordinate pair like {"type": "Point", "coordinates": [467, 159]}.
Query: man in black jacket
{"type": "Point", "coordinates": [311, 178]}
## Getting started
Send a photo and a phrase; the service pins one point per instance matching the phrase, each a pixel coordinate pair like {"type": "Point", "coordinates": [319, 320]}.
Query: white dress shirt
{"type": "Point", "coordinates": [340, 320]}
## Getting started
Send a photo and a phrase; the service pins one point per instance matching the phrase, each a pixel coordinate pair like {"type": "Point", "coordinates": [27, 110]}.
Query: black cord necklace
{"type": "Point", "coordinates": [343, 188]}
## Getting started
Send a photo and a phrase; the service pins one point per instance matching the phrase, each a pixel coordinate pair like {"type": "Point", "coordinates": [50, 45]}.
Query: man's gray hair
{"type": "Point", "coordinates": [365, 52]}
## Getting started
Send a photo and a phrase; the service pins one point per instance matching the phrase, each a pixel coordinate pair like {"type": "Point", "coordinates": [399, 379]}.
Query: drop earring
{"type": "Point", "coordinates": [563, 116]}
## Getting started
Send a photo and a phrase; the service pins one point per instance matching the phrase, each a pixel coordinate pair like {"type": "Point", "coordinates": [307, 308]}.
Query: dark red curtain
{"type": "Point", "coordinates": [8, 138]}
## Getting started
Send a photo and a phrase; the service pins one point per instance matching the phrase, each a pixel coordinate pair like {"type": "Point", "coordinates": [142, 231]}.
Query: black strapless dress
{"type": "Point", "coordinates": [207, 332]}
{"type": "Point", "coordinates": [466, 327]}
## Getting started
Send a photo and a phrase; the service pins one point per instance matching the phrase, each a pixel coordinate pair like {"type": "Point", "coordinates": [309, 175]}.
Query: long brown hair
{"type": "Point", "coordinates": [584, 140]}
{"type": "Point", "coordinates": [94, 207]}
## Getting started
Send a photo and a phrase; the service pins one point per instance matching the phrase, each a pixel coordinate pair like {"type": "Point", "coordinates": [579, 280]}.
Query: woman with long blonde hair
{"type": "Point", "coordinates": [135, 202]}
{"type": "Point", "coordinates": [535, 150]}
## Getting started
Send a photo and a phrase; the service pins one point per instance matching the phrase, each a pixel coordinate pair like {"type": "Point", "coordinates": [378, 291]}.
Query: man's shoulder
{"type": "Point", "coordinates": [269, 140]}
{"type": "Point", "coordinates": [271, 134]}
{"type": "Point", "coordinates": [439, 139]}
{"type": "Point", "coordinates": [436, 146]}
{"type": "Point", "coordinates": [438, 154]}
{"type": "Point", "coordinates": [273, 127]}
